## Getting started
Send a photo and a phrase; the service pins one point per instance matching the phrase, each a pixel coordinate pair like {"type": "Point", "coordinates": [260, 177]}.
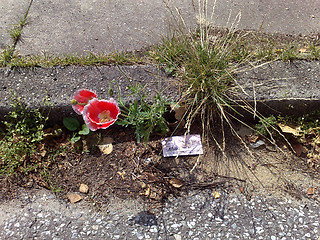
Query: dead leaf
{"type": "Point", "coordinates": [150, 177]}
{"type": "Point", "coordinates": [83, 188]}
{"type": "Point", "coordinates": [253, 138]}
{"type": "Point", "coordinates": [122, 174]}
{"type": "Point", "coordinates": [310, 191]}
{"type": "Point", "coordinates": [73, 198]}
{"type": "Point", "coordinates": [179, 112]}
{"type": "Point", "coordinates": [299, 149]}
{"type": "Point", "coordinates": [316, 140]}
{"type": "Point", "coordinates": [215, 194]}
{"type": "Point", "coordinates": [176, 183]}
{"type": "Point", "coordinates": [106, 148]}
{"type": "Point", "coordinates": [302, 50]}
{"type": "Point", "coordinates": [43, 153]}
{"type": "Point", "coordinates": [142, 184]}
{"type": "Point", "coordinates": [147, 192]}
{"type": "Point", "coordinates": [154, 192]}
{"type": "Point", "coordinates": [296, 131]}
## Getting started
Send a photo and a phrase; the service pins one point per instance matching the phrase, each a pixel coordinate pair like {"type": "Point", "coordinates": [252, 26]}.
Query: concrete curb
{"type": "Point", "coordinates": [60, 83]}
{"type": "Point", "coordinates": [275, 88]}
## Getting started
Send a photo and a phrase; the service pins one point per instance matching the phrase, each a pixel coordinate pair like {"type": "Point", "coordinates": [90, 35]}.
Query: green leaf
{"type": "Point", "coordinates": [84, 130]}
{"type": "Point", "coordinates": [70, 123]}
{"type": "Point", "coordinates": [110, 91]}
{"type": "Point", "coordinates": [75, 139]}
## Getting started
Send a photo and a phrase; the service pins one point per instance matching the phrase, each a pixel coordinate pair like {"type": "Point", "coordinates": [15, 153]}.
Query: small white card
{"type": "Point", "coordinates": [182, 145]}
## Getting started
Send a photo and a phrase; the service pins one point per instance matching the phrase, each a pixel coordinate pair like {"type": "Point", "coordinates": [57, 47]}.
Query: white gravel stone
{"type": "Point", "coordinates": [177, 237]}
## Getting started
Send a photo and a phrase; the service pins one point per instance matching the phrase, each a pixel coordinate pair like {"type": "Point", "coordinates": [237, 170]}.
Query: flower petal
{"type": "Point", "coordinates": [100, 114]}
{"type": "Point", "coordinates": [82, 96]}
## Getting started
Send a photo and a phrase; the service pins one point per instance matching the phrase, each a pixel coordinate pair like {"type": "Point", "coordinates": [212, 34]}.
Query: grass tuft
{"type": "Point", "coordinates": [206, 63]}
{"type": "Point", "coordinates": [47, 60]}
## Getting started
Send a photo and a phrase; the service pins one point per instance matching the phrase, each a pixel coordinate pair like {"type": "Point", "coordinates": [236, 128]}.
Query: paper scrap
{"type": "Point", "coordinates": [182, 146]}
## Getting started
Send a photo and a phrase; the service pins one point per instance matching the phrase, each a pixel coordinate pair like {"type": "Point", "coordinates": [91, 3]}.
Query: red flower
{"type": "Point", "coordinates": [81, 98]}
{"type": "Point", "coordinates": [100, 113]}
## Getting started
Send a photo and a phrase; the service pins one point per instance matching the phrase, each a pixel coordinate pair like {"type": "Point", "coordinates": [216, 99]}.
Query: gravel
{"type": "Point", "coordinates": [197, 215]}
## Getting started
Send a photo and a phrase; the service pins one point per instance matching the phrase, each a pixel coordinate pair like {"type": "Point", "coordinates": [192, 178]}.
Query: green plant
{"type": "Point", "coordinates": [48, 60]}
{"type": "Point", "coordinates": [266, 126]}
{"type": "Point", "coordinates": [73, 125]}
{"type": "Point", "coordinates": [145, 117]}
{"type": "Point", "coordinates": [6, 56]}
{"type": "Point", "coordinates": [315, 51]}
{"type": "Point", "coordinates": [20, 146]}
{"type": "Point", "coordinates": [206, 61]}
{"type": "Point", "coordinates": [290, 52]}
{"type": "Point", "coordinates": [48, 179]}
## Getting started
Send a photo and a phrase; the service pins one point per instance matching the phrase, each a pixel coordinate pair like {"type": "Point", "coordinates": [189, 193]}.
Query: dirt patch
{"type": "Point", "coordinates": [137, 170]}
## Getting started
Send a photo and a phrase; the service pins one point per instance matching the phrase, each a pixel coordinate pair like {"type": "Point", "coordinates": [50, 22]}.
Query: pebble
{"type": "Point", "coordinates": [177, 237]}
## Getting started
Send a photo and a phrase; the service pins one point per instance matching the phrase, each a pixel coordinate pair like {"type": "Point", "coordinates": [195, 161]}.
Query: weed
{"type": "Point", "coordinates": [290, 52]}
{"type": "Point", "coordinates": [15, 34]}
{"type": "Point", "coordinates": [143, 116]}
{"type": "Point", "coordinates": [308, 123]}
{"type": "Point", "coordinates": [205, 63]}
{"type": "Point", "coordinates": [20, 146]}
{"type": "Point", "coordinates": [315, 51]}
{"type": "Point", "coordinates": [266, 126]}
{"type": "Point", "coordinates": [48, 178]}
{"type": "Point", "coordinates": [47, 60]}
{"type": "Point", "coordinates": [16, 30]}
{"type": "Point", "coordinates": [6, 56]}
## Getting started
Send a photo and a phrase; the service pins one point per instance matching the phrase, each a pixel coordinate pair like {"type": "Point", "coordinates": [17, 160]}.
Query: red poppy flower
{"type": "Point", "coordinates": [81, 98]}
{"type": "Point", "coordinates": [100, 113]}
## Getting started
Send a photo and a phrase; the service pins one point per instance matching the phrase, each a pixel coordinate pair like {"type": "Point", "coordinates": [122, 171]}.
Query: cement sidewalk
{"type": "Point", "coordinates": [78, 26]}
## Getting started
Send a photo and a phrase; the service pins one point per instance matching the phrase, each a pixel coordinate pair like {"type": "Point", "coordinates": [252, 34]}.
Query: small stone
{"type": "Point", "coordinates": [83, 188]}
{"type": "Point", "coordinates": [154, 229]}
{"type": "Point", "coordinates": [177, 237]}
{"type": "Point", "coordinates": [175, 225]}
{"type": "Point", "coordinates": [95, 227]}
{"type": "Point", "coordinates": [301, 220]}
{"type": "Point", "coordinates": [191, 224]}
{"type": "Point", "coordinates": [73, 198]}
{"type": "Point", "coordinates": [98, 220]}
{"type": "Point", "coordinates": [74, 235]}
{"type": "Point", "coordinates": [259, 230]}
